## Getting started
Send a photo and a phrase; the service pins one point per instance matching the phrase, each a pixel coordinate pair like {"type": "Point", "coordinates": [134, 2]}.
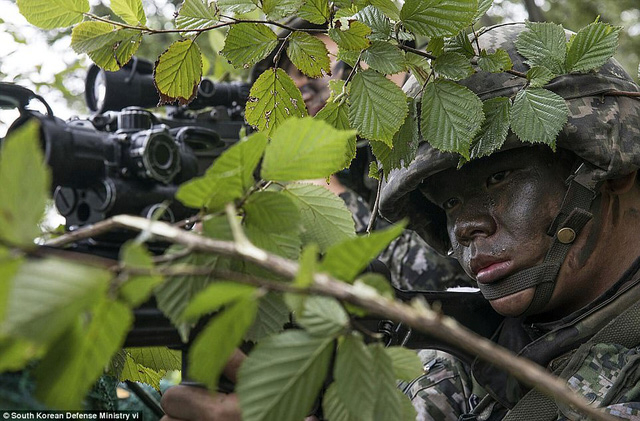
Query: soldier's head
{"type": "Point", "coordinates": [543, 232]}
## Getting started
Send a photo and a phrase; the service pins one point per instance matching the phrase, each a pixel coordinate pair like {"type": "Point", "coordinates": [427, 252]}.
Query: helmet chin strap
{"type": "Point", "coordinates": [567, 225]}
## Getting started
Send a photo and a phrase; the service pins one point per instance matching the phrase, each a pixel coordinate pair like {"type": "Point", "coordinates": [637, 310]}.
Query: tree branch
{"type": "Point", "coordinates": [417, 315]}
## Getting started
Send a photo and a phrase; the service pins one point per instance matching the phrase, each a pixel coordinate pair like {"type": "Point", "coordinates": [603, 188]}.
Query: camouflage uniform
{"type": "Point", "coordinates": [414, 266]}
{"type": "Point", "coordinates": [596, 349]}
{"type": "Point", "coordinates": [607, 374]}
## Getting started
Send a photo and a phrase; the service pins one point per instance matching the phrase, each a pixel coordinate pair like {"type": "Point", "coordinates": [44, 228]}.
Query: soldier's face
{"type": "Point", "coordinates": [498, 210]}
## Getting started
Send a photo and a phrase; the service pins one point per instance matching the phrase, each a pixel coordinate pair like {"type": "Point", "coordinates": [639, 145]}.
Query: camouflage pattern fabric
{"type": "Point", "coordinates": [444, 391]}
{"type": "Point", "coordinates": [608, 375]}
{"type": "Point", "coordinates": [414, 266]}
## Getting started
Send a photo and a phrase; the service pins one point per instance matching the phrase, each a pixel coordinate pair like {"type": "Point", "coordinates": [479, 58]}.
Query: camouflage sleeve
{"type": "Point", "coordinates": [443, 392]}
{"type": "Point", "coordinates": [609, 377]}
{"type": "Point", "coordinates": [414, 266]}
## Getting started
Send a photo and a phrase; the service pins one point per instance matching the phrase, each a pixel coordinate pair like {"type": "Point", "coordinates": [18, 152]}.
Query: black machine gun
{"type": "Point", "coordinates": [124, 158]}
{"type": "Point", "coordinates": [127, 160]}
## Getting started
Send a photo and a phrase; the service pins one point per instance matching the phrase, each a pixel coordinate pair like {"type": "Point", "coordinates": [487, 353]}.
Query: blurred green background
{"type": "Point", "coordinates": [43, 60]}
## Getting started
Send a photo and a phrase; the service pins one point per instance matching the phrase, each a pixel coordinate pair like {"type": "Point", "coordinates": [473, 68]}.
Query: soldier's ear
{"type": "Point", "coordinates": [622, 184]}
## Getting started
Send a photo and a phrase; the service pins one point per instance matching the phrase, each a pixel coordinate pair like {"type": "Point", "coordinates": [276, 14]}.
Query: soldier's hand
{"type": "Point", "coordinates": [198, 404]}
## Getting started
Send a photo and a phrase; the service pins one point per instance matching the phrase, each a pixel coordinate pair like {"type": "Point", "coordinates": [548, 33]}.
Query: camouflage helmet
{"type": "Point", "coordinates": [602, 129]}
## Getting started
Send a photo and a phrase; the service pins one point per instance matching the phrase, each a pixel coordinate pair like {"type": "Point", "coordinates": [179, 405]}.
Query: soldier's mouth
{"type": "Point", "coordinates": [490, 271]}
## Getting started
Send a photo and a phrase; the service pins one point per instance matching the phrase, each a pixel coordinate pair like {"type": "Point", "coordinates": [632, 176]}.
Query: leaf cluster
{"type": "Point", "coordinates": [254, 197]}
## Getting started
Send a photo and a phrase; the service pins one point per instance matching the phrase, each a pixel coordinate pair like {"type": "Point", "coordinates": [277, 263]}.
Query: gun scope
{"type": "Point", "coordinates": [133, 85]}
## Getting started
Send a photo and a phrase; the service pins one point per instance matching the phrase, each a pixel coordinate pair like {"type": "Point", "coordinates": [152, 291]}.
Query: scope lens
{"type": "Point", "coordinates": [161, 155]}
{"type": "Point", "coordinates": [100, 89]}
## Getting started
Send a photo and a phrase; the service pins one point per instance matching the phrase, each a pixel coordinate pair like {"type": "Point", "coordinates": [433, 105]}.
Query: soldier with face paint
{"type": "Point", "coordinates": [551, 238]}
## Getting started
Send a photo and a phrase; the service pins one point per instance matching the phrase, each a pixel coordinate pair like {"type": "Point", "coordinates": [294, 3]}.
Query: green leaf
{"type": "Point", "coordinates": [273, 98]}
{"type": "Point", "coordinates": [157, 358]}
{"type": "Point", "coordinates": [323, 316]}
{"type": "Point", "coordinates": [77, 359]}
{"type": "Point", "coordinates": [214, 296]}
{"type": "Point", "coordinates": [303, 278]}
{"type": "Point", "coordinates": [48, 295]}
{"type": "Point", "coordinates": [273, 314]}
{"type": "Point", "coordinates": [388, 7]}
{"type": "Point", "coordinates": [438, 18]}
{"type": "Point", "coordinates": [384, 57]}
{"type": "Point", "coordinates": [325, 217]}
{"type": "Point", "coordinates": [282, 376]}
{"type": "Point", "coordinates": [130, 11]}
{"type": "Point", "coordinates": [112, 57]}
{"type": "Point", "coordinates": [272, 222]}
{"type": "Point", "coordinates": [178, 72]}
{"type": "Point", "coordinates": [174, 295]}
{"type": "Point", "coordinates": [354, 378]}
{"type": "Point", "coordinates": [197, 14]}
{"type": "Point", "coordinates": [229, 178]}
{"type": "Point", "coordinates": [50, 14]}
{"type": "Point", "coordinates": [378, 282]}
{"type": "Point", "coordinates": [387, 401]}
{"type": "Point", "coordinates": [137, 288]}
{"type": "Point", "coordinates": [309, 54]}
{"type": "Point", "coordinates": [9, 265]}
{"type": "Point", "coordinates": [307, 148]}
{"type": "Point", "coordinates": [377, 21]}
{"type": "Point", "coordinates": [451, 115]}
{"type": "Point", "coordinates": [308, 262]}
{"type": "Point", "coordinates": [236, 6]}
{"type": "Point", "coordinates": [495, 127]}
{"type": "Point", "coordinates": [217, 227]}
{"type": "Point", "coordinates": [348, 259]}
{"type": "Point", "coordinates": [374, 170]}
{"type": "Point", "coordinates": [248, 43]}
{"type": "Point", "coordinates": [436, 46]}
{"type": "Point", "coordinates": [22, 199]}
{"type": "Point", "coordinates": [315, 11]}
{"type": "Point", "coordinates": [544, 44]}
{"type": "Point", "coordinates": [407, 410]}
{"type": "Point", "coordinates": [378, 106]}
{"type": "Point", "coordinates": [135, 372]}
{"type": "Point", "coordinates": [17, 353]}
{"type": "Point", "coordinates": [495, 62]}
{"type": "Point", "coordinates": [336, 114]}
{"type": "Point", "coordinates": [108, 46]}
{"type": "Point", "coordinates": [483, 6]}
{"type": "Point", "coordinates": [405, 143]}
{"type": "Point", "coordinates": [406, 363]}
{"type": "Point", "coordinates": [454, 66]}
{"type": "Point", "coordinates": [334, 407]}
{"type": "Point", "coordinates": [460, 44]}
{"type": "Point", "coordinates": [418, 66]}
{"type": "Point", "coordinates": [539, 76]}
{"type": "Point", "coordinates": [277, 9]}
{"type": "Point", "coordinates": [350, 34]}
{"type": "Point", "coordinates": [538, 115]}
{"type": "Point", "coordinates": [591, 47]}
{"type": "Point", "coordinates": [212, 348]}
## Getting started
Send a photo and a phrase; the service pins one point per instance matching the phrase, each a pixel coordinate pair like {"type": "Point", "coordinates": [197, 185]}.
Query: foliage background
{"type": "Point", "coordinates": [43, 61]}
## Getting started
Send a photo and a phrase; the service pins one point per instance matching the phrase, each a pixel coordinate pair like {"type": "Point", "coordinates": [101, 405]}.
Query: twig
{"type": "Point", "coordinates": [416, 316]}
{"type": "Point", "coordinates": [198, 30]}
{"type": "Point", "coordinates": [376, 204]}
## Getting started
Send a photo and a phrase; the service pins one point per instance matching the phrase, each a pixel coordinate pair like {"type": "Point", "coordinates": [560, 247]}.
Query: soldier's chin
{"type": "Point", "coordinates": [515, 304]}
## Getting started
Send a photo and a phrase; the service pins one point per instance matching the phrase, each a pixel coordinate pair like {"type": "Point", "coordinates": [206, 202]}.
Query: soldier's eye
{"type": "Point", "coordinates": [497, 177]}
{"type": "Point", "coordinates": [450, 203]}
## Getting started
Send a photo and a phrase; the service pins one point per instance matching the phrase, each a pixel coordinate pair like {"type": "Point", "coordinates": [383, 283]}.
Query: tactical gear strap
{"type": "Point", "coordinates": [622, 330]}
{"type": "Point", "coordinates": [574, 214]}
